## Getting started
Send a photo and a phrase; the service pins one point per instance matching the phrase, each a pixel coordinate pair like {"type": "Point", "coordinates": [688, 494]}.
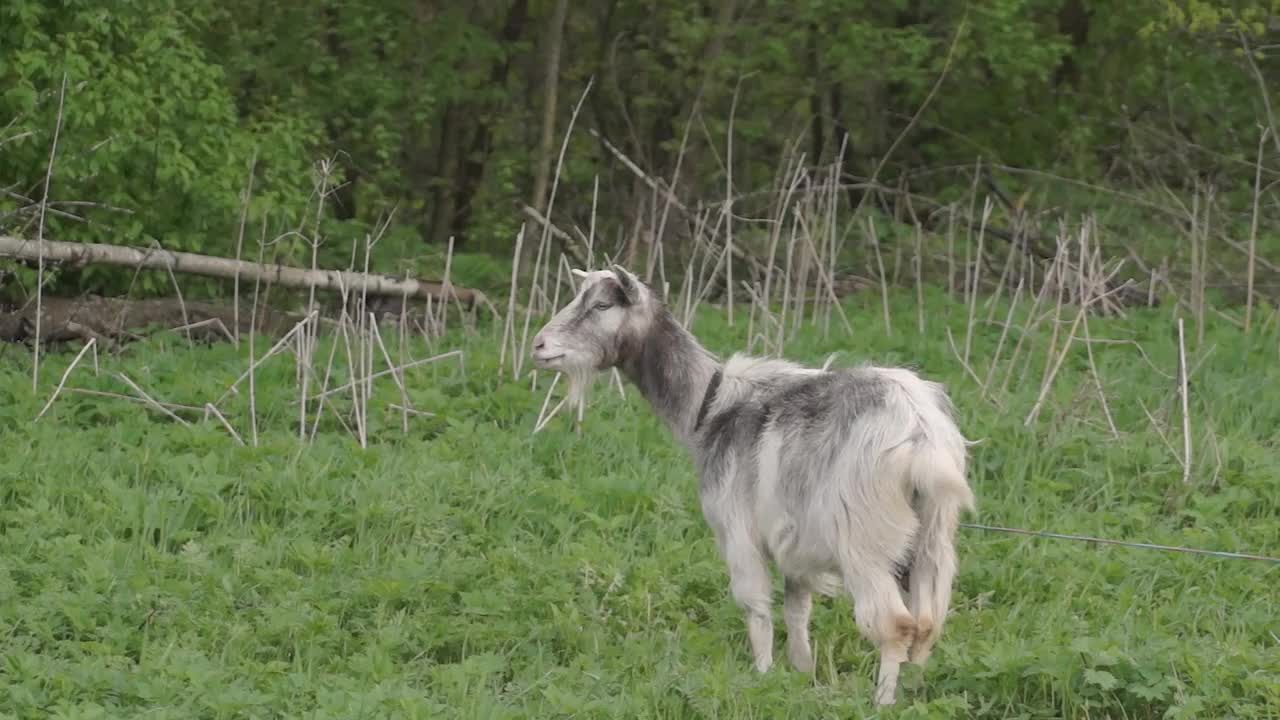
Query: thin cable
{"type": "Point", "coordinates": [1105, 541]}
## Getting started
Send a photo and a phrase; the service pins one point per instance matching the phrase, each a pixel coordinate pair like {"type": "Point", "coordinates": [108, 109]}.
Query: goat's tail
{"type": "Point", "coordinates": [942, 493]}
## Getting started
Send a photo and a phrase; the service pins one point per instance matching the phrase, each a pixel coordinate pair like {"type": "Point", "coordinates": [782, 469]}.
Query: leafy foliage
{"type": "Point", "coordinates": [434, 109]}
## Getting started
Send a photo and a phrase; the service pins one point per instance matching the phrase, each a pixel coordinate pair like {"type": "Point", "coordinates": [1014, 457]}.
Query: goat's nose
{"type": "Point", "coordinates": [539, 342]}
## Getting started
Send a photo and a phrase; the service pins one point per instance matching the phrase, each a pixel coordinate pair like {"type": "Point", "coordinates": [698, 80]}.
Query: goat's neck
{"type": "Point", "coordinates": [672, 371]}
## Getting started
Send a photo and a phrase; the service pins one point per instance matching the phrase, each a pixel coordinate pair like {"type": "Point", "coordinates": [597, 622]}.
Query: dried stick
{"type": "Point", "coordinates": [148, 399]}
{"type": "Point", "coordinates": [884, 283]}
{"type": "Point", "coordinates": [280, 344]}
{"type": "Point", "coordinates": [969, 370]}
{"type": "Point", "coordinates": [917, 265]}
{"type": "Point", "coordinates": [508, 327]}
{"type": "Point", "coordinates": [244, 216]}
{"type": "Point", "coordinates": [1186, 405]}
{"type": "Point", "coordinates": [987, 207]}
{"type": "Point", "coordinates": [44, 205]}
{"type": "Point", "coordinates": [1097, 381]}
{"type": "Point", "coordinates": [386, 356]}
{"type": "Point", "coordinates": [1253, 233]}
{"type": "Point", "coordinates": [66, 373]}
{"type": "Point", "coordinates": [1057, 364]}
{"type": "Point", "coordinates": [545, 402]}
{"type": "Point", "coordinates": [209, 409]}
{"type": "Point", "coordinates": [182, 304]}
{"type": "Point", "coordinates": [130, 398]}
{"type": "Point", "coordinates": [384, 373]}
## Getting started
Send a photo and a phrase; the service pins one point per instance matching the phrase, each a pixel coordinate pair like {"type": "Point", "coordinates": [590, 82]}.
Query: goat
{"type": "Point", "coordinates": [847, 480]}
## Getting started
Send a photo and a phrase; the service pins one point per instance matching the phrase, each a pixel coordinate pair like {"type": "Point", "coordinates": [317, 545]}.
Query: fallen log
{"type": "Point", "coordinates": [114, 320]}
{"type": "Point", "coordinates": [77, 254]}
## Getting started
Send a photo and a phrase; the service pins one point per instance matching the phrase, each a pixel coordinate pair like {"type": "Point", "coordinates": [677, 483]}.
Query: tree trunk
{"type": "Point", "coordinates": [218, 267]}
{"type": "Point", "coordinates": [471, 174]}
{"type": "Point", "coordinates": [551, 84]}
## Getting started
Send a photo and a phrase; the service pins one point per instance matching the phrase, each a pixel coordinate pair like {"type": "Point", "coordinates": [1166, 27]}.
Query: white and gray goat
{"type": "Point", "coordinates": [849, 480]}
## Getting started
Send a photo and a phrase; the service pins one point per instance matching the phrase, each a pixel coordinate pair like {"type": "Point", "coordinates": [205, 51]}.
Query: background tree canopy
{"type": "Point", "coordinates": [437, 109]}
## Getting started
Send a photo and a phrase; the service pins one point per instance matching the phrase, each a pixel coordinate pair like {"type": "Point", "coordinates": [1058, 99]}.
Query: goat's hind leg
{"type": "Point", "coordinates": [883, 619]}
{"type": "Point", "coordinates": [752, 591]}
{"type": "Point", "coordinates": [797, 604]}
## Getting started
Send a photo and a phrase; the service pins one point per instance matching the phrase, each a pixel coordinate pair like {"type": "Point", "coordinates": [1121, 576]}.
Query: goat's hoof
{"type": "Point", "coordinates": [801, 661]}
{"type": "Point", "coordinates": [912, 679]}
{"type": "Point", "coordinates": [763, 665]}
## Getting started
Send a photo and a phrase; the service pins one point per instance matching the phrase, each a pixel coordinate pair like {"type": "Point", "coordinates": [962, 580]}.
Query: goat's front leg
{"type": "Point", "coordinates": [749, 583]}
{"type": "Point", "coordinates": [797, 604]}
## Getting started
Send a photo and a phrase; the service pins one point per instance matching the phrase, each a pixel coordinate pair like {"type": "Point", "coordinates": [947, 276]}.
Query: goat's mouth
{"type": "Point", "coordinates": [547, 361]}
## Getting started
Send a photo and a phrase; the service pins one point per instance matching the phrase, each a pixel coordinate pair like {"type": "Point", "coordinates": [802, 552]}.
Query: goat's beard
{"type": "Point", "coordinates": [580, 381]}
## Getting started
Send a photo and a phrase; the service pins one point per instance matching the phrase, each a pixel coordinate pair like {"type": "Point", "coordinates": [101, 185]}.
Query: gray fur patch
{"type": "Point", "coordinates": [735, 429]}
{"type": "Point", "coordinates": [830, 400]}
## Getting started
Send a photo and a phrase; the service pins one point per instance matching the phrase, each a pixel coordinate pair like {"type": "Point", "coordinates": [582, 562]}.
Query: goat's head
{"type": "Point", "coordinates": [598, 329]}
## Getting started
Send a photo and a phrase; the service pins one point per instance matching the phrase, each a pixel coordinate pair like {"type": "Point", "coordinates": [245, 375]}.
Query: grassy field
{"type": "Point", "coordinates": [473, 569]}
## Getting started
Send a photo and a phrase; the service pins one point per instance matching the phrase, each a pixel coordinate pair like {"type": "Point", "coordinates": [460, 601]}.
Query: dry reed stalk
{"type": "Point", "coordinates": [447, 284]}
{"type": "Point", "coordinates": [130, 398]}
{"type": "Point", "coordinates": [684, 297]}
{"type": "Point", "coordinates": [970, 372]}
{"type": "Point", "coordinates": [324, 386]}
{"type": "Point", "coordinates": [829, 283]}
{"type": "Point", "coordinates": [346, 329]}
{"type": "Point", "coordinates": [1253, 232]}
{"type": "Point", "coordinates": [246, 199]}
{"type": "Point", "coordinates": [795, 177]}
{"type": "Point", "coordinates": [1004, 333]}
{"type": "Point", "coordinates": [1186, 405]}
{"type": "Point", "coordinates": [829, 237]}
{"type": "Point", "coordinates": [1201, 284]}
{"type": "Point", "coordinates": [987, 207]}
{"type": "Point", "coordinates": [728, 199]}
{"type": "Point", "coordinates": [531, 307]}
{"type": "Point", "coordinates": [780, 343]}
{"type": "Point", "coordinates": [182, 304]}
{"type": "Point", "coordinates": [518, 360]}
{"type": "Point", "coordinates": [508, 328]}
{"type": "Point", "coordinates": [1061, 287]}
{"type": "Point", "coordinates": [254, 363]}
{"type": "Point", "coordinates": [44, 206]}
{"type": "Point", "coordinates": [591, 232]}
{"type": "Point", "coordinates": [994, 300]}
{"type": "Point", "coordinates": [802, 277]}
{"type": "Point", "coordinates": [1032, 318]}
{"type": "Point", "coordinates": [383, 373]}
{"type": "Point", "coordinates": [917, 265]}
{"type": "Point", "coordinates": [1081, 313]}
{"type": "Point", "coordinates": [306, 340]}
{"type": "Point", "coordinates": [617, 378]}
{"type": "Point", "coordinates": [65, 374]}
{"type": "Point", "coordinates": [148, 399]}
{"type": "Point", "coordinates": [386, 357]}
{"type": "Point", "coordinates": [211, 322]}
{"type": "Point", "coordinates": [253, 332]}
{"type": "Point", "coordinates": [1053, 370]}
{"type": "Point", "coordinates": [951, 250]}
{"type": "Point", "coordinates": [1196, 271]}
{"type": "Point", "coordinates": [209, 409]}
{"type": "Point", "coordinates": [884, 283]}
{"type": "Point", "coordinates": [1097, 381]}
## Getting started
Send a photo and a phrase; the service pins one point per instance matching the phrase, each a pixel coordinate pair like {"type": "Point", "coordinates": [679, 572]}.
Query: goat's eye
{"type": "Point", "coordinates": [602, 306]}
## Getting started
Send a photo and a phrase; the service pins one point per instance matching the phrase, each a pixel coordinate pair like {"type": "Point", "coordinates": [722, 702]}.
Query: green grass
{"type": "Point", "coordinates": [473, 570]}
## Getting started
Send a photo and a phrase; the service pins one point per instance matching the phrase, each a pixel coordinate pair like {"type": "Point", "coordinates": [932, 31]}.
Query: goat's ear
{"type": "Point", "coordinates": [628, 283]}
{"type": "Point", "coordinates": [578, 273]}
